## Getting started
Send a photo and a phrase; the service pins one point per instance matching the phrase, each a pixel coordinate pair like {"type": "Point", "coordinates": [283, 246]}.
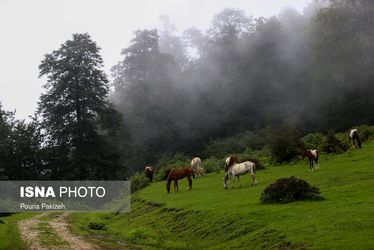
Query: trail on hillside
{"type": "Point", "coordinates": [60, 225]}
{"type": "Point", "coordinates": [29, 232]}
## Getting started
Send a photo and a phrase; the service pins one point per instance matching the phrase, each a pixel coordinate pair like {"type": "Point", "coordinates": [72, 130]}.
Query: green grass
{"type": "Point", "coordinates": [10, 237]}
{"type": "Point", "coordinates": [48, 236]}
{"type": "Point", "coordinates": [211, 217]}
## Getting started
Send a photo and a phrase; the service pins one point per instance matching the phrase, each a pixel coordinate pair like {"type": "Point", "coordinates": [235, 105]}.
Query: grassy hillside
{"type": "Point", "coordinates": [10, 237]}
{"type": "Point", "coordinates": [211, 217]}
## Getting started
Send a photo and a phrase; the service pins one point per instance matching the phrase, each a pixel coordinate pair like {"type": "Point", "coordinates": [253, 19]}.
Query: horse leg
{"type": "Point", "coordinates": [310, 167]}
{"type": "Point", "coordinates": [253, 174]}
{"type": "Point", "coordinates": [240, 185]}
{"type": "Point", "coordinates": [189, 182]}
{"type": "Point", "coordinates": [175, 186]}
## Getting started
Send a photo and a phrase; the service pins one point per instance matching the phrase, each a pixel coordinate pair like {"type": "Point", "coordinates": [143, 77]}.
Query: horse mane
{"type": "Point", "coordinates": [232, 160]}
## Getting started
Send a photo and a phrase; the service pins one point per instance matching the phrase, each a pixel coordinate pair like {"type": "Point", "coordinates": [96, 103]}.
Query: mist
{"type": "Point", "coordinates": [177, 90]}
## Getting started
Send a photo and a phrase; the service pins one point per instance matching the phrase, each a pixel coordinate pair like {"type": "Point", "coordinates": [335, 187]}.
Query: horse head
{"type": "Point", "coordinates": [303, 154]}
{"type": "Point", "coordinates": [226, 180]}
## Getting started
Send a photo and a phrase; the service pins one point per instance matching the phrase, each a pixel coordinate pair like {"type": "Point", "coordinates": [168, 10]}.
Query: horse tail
{"type": "Point", "coordinates": [193, 174]}
{"type": "Point", "coordinates": [254, 168]}
{"type": "Point", "coordinates": [358, 142]}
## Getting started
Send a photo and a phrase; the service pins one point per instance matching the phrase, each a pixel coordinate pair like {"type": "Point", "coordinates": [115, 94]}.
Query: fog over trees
{"type": "Point", "coordinates": [178, 91]}
{"type": "Point", "coordinates": [311, 70]}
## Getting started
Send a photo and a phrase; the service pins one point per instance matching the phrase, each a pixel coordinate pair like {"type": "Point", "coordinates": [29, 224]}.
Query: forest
{"type": "Point", "coordinates": [182, 92]}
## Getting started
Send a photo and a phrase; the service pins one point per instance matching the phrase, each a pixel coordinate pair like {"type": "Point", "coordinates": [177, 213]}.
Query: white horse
{"type": "Point", "coordinates": [354, 138]}
{"type": "Point", "coordinates": [195, 163]}
{"type": "Point", "coordinates": [239, 169]}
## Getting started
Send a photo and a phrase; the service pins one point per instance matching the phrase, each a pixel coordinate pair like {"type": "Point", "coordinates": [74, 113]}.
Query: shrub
{"type": "Point", "coordinates": [212, 165]}
{"type": "Point", "coordinates": [2, 222]}
{"type": "Point", "coordinates": [313, 141]}
{"type": "Point", "coordinates": [219, 148]}
{"type": "Point", "coordinates": [332, 144]}
{"type": "Point", "coordinates": [97, 225]}
{"type": "Point", "coordinates": [289, 189]}
{"type": "Point", "coordinates": [371, 132]}
{"type": "Point", "coordinates": [138, 181]}
{"type": "Point", "coordinates": [284, 143]}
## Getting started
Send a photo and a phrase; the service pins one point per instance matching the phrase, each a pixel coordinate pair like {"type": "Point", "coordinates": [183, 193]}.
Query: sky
{"type": "Point", "coordinates": [32, 28]}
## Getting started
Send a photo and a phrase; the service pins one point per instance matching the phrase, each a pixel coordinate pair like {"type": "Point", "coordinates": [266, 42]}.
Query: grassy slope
{"type": "Point", "coordinates": [210, 216]}
{"type": "Point", "coordinates": [10, 237]}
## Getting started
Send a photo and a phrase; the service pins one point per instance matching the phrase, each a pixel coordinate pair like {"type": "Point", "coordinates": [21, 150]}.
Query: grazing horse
{"type": "Point", "coordinates": [354, 138]}
{"type": "Point", "coordinates": [239, 169]}
{"type": "Point", "coordinates": [177, 174]}
{"type": "Point", "coordinates": [313, 155]}
{"type": "Point", "coordinates": [195, 163]}
{"type": "Point", "coordinates": [200, 172]}
{"type": "Point", "coordinates": [149, 172]}
{"type": "Point", "coordinates": [231, 160]}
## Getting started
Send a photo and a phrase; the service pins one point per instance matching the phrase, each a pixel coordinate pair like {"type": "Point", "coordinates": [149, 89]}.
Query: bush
{"type": "Point", "coordinates": [313, 141]}
{"type": "Point", "coordinates": [97, 226]}
{"type": "Point", "coordinates": [2, 222]}
{"type": "Point", "coordinates": [332, 144]}
{"type": "Point", "coordinates": [212, 165]}
{"type": "Point", "coordinates": [138, 181]}
{"type": "Point", "coordinates": [371, 132]}
{"type": "Point", "coordinates": [220, 148]}
{"type": "Point", "coordinates": [289, 189]}
{"type": "Point", "coordinates": [284, 143]}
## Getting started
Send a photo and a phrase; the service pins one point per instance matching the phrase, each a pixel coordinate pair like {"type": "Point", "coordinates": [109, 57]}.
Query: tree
{"type": "Point", "coordinates": [74, 112]}
{"type": "Point", "coordinates": [229, 24]}
{"type": "Point", "coordinates": [5, 130]}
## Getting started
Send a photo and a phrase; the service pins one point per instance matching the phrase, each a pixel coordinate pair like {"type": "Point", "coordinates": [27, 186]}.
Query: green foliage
{"type": "Point", "coordinates": [76, 118]}
{"type": "Point", "coordinates": [138, 181]}
{"type": "Point", "coordinates": [222, 147]}
{"type": "Point", "coordinates": [97, 225]}
{"type": "Point", "coordinates": [212, 165]}
{"type": "Point", "coordinates": [284, 142]}
{"type": "Point", "coordinates": [332, 144]}
{"type": "Point", "coordinates": [365, 132]}
{"type": "Point", "coordinates": [290, 189]}
{"type": "Point", "coordinates": [313, 140]}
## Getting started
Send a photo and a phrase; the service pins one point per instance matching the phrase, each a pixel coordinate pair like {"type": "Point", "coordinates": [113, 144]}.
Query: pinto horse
{"type": "Point", "coordinates": [239, 169]}
{"type": "Point", "coordinates": [231, 160]}
{"type": "Point", "coordinates": [177, 174]}
{"type": "Point", "coordinates": [354, 138]}
{"type": "Point", "coordinates": [149, 172]}
{"type": "Point", "coordinates": [195, 164]}
{"type": "Point", "coordinates": [313, 155]}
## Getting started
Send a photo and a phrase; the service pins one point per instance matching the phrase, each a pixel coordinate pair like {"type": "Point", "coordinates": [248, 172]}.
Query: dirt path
{"type": "Point", "coordinates": [29, 233]}
{"type": "Point", "coordinates": [60, 225]}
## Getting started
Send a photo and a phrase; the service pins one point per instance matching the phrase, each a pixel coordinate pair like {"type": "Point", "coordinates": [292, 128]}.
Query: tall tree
{"type": "Point", "coordinates": [75, 111]}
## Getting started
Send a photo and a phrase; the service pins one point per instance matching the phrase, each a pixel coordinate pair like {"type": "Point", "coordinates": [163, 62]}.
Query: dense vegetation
{"type": "Point", "coordinates": [226, 90]}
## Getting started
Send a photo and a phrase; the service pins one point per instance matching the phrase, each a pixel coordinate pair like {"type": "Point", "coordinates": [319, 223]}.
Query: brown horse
{"type": "Point", "coordinates": [177, 174]}
{"type": "Point", "coordinates": [312, 155]}
{"type": "Point", "coordinates": [231, 160]}
{"type": "Point", "coordinates": [149, 172]}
